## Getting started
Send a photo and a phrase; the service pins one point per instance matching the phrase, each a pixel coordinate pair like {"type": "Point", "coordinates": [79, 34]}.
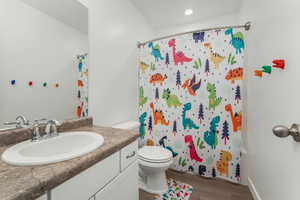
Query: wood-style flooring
{"type": "Point", "coordinates": [207, 189]}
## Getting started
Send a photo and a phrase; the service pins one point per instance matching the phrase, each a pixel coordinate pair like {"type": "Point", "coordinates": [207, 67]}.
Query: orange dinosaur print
{"type": "Point", "coordinates": [191, 85]}
{"type": "Point", "coordinates": [157, 79]}
{"type": "Point", "coordinates": [223, 163]}
{"type": "Point", "coordinates": [158, 116]}
{"type": "Point", "coordinates": [235, 74]}
{"type": "Point", "coordinates": [236, 118]}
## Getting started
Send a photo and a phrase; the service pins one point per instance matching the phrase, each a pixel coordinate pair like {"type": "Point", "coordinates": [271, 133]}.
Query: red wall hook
{"type": "Point", "coordinates": [279, 64]}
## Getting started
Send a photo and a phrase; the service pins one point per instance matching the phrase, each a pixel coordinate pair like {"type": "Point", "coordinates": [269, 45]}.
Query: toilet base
{"type": "Point", "coordinates": [163, 187]}
{"type": "Point", "coordinates": [153, 181]}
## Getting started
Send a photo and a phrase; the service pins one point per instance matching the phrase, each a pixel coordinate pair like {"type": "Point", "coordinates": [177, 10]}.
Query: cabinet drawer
{"type": "Point", "coordinates": [88, 182]}
{"type": "Point", "coordinates": [129, 155]}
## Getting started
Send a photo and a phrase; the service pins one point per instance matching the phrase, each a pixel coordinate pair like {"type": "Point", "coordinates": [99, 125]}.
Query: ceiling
{"type": "Point", "coordinates": [70, 12]}
{"type": "Point", "coordinates": [164, 13]}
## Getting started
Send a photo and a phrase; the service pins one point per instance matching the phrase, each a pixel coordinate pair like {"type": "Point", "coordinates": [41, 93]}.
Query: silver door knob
{"type": "Point", "coordinates": [283, 131]}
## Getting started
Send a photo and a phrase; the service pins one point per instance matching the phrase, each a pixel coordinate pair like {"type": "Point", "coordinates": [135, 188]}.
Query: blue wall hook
{"type": "Point", "coordinates": [13, 82]}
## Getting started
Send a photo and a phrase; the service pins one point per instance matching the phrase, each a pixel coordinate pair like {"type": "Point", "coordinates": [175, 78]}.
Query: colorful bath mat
{"type": "Point", "coordinates": [177, 191]}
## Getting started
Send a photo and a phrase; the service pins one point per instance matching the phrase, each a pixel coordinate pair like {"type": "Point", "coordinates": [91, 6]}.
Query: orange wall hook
{"type": "Point", "coordinates": [259, 73]}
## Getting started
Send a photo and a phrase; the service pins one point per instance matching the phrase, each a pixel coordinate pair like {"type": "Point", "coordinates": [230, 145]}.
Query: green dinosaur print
{"type": "Point", "coordinates": [187, 122]}
{"type": "Point", "coordinates": [172, 100]}
{"type": "Point", "coordinates": [211, 137]}
{"type": "Point", "coordinates": [142, 98]}
{"type": "Point", "coordinates": [142, 129]}
{"type": "Point", "coordinates": [214, 101]}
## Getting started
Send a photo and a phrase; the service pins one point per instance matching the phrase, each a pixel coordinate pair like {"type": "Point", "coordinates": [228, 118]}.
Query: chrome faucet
{"type": "Point", "coordinates": [51, 128]}
{"type": "Point", "coordinates": [21, 122]}
{"type": "Point", "coordinates": [36, 135]}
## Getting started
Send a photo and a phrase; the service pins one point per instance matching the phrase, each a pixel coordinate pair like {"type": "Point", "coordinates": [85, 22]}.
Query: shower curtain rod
{"type": "Point", "coordinates": [247, 26]}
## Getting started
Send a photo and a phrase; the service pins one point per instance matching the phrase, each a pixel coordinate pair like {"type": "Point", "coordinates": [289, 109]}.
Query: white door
{"type": "Point", "coordinates": [273, 163]}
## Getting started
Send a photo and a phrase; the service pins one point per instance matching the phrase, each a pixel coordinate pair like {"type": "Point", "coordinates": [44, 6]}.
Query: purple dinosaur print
{"type": "Point", "coordinates": [198, 36]}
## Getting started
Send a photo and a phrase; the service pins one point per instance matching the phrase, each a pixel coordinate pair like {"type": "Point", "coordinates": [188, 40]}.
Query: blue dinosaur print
{"type": "Point", "coordinates": [187, 122]}
{"type": "Point", "coordinates": [155, 51]}
{"type": "Point", "coordinates": [162, 143]}
{"type": "Point", "coordinates": [142, 129]}
{"type": "Point", "coordinates": [210, 137]}
{"type": "Point", "coordinates": [199, 36]}
{"type": "Point", "coordinates": [237, 40]}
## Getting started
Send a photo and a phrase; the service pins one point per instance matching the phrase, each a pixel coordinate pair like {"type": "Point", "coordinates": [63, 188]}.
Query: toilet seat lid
{"type": "Point", "coordinates": [155, 154]}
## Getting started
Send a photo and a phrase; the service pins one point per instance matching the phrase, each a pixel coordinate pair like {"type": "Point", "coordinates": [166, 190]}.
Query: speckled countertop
{"type": "Point", "coordinates": [28, 183]}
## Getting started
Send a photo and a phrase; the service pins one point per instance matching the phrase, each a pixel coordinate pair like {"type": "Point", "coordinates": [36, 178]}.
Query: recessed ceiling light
{"type": "Point", "coordinates": [188, 12]}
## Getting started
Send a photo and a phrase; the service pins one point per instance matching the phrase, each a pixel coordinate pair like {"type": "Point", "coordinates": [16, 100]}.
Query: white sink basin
{"type": "Point", "coordinates": [66, 146]}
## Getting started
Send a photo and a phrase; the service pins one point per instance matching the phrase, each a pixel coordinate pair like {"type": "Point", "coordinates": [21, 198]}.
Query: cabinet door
{"type": "Point", "coordinates": [88, 182]}
{"type": "Point", "coordinates": [124, 187]}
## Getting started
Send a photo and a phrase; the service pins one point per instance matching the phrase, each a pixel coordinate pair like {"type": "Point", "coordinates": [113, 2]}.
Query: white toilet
{"type": "Point", "coordinates": [153, 162]}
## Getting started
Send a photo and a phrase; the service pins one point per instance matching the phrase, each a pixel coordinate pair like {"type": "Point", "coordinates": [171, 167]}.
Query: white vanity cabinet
{"type": "Point", "coordinates": [115, 177]}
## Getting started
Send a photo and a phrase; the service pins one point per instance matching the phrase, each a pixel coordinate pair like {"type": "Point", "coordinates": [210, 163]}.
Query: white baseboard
{"type": "Point", "coordinates": [253, 190]}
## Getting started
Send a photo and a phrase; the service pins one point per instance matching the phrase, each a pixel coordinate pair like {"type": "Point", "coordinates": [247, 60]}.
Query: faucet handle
{"type": "Point", "coordinates": [52, 123]}
{"type": "Point", "coordinates": [36, 129]}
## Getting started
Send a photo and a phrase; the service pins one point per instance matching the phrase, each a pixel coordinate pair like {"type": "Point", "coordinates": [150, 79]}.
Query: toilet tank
{"type": "Point", "coordinates": [128, 125]}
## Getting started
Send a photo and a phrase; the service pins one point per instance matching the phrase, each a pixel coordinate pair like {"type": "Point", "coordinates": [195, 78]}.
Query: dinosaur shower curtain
{"type": "Point", "coordinates": [82, 87]}
{"type": "Point", "coordinates": [190, 100]}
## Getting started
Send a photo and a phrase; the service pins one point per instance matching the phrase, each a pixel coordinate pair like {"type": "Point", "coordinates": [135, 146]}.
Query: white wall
{"type": "Point", "coordinates": [36, 47]}
{"type": "Point", "coordinates": [273, 163]}
{"type": "Point", "coordinates": [229, 19]}
{"type": "Point", "coordinates": [71, 12]}
{"type": "Point", "coordinates": [114, 29]}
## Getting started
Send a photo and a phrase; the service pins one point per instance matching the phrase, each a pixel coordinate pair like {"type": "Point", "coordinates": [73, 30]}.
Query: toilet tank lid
{"type": "Point", "coordinates": [129, 125]}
